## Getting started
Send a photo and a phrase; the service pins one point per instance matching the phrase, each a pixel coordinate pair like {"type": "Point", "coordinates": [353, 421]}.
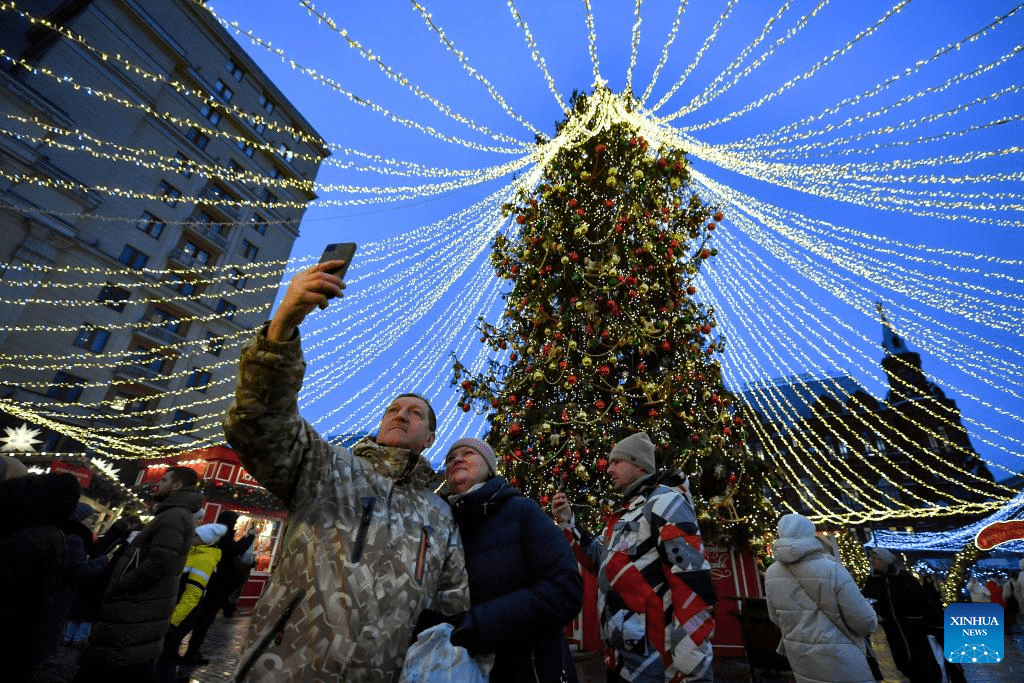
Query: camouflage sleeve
{"type": "Point", "coordinates": [453, 588]}
{"type": "Point", "coordinates": [263, 424]}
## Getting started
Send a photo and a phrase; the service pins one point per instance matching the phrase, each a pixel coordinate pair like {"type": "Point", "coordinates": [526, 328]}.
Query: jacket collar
{"type": "Point", "coordinates": [399, 464]}
{"type": "Point", "coordinates": [190, 500]}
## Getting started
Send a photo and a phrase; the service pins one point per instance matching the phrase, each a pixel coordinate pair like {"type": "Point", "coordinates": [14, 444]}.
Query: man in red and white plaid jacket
{"type": "Point", "coordinates": [655, 596]}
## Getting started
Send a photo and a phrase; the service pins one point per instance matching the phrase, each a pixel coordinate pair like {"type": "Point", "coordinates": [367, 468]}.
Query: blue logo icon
{"type": "Point", "coordinates": [974, 633]}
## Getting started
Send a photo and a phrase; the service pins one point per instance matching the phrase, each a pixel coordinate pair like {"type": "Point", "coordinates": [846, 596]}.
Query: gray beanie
{"type": "Point", "coordinates": [884, 555]}
{"type": "Point", "coordinates": [481, 447]}
{"type": "Point", "coordinates": [637, 449]}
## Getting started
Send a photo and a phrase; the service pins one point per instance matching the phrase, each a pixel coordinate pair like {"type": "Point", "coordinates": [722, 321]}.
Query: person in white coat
{"type": "Point", "coordinates": [823, 617]}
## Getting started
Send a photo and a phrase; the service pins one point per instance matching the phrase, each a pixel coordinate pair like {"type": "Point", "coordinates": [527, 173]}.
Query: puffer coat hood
{"type": "Point", "coordinates": [823, 617]}
{"type": "Point", "coordinates": [796, 540]}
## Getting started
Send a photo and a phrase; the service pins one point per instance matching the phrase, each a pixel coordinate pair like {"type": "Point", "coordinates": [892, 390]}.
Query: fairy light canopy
{"type": "Point", "coordinates": [861, 153]}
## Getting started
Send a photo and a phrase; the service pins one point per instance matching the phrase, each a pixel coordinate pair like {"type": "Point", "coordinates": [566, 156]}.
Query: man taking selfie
{"type": "Point", "coordinates": [368, 544]}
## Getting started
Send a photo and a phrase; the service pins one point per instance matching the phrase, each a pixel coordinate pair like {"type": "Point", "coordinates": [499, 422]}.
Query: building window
{"type": "Point", "coordinates": [150, 224]}
{"type": "Point", "coordinates": [237, 279]}
{"type": "Point", "coordinates": [197, 138]}
{"type": "Point", "coordinates": [211, 114]}
{"type": "Point", "coordinates": [259, 224]}
{"type": "Point", "coordinates": [66, 387]}
{"type": "Point", "coordinates": [274, 172]}
{"type": "Point", "coordinates": [114, 297]}
{"type": "Point", "coordinates": [260, 127]}
{"type": "Point", "coordinates": [285, 151]}
{"type": "Point", "coordinates": [127, 403]}
{"type": "Point", "coordinates": [249, 250]}
{"type": "Point", "coordinates": [214, 344]}
{"type": "Point", "coordinates": [246, 147]}
{"type": "Point", "coordinates": [170, 192]}
{"type": "Point", "coordinates": [181, 285]}
{"type": "Point", "coordinates": [199, 379]}
{"type": "Point", "coordinates": [268, 196]}
{"type": "Point", "coordinates": [201, 256]}
{"type": "Point", "coordinates": [183, 418]}
{"type": "Point", "coordinates": [92, 338]}
{"type": "Point", "coordinates": [148, 359]}
{"type": "Point", "coordinates": [184, 165]}
{"type": "Point", "coordinates": [132, 257]}
{"type": "Point", "coordinates": [235, 70]}
{"type": "Point", "coordinates": [266, 103]}
{"type": "Point", "coordinates": [227, 308]}
{"type": "Point", "coordinates": [222, 91]}
{"type": "Point", "coordinates": [167, 320]}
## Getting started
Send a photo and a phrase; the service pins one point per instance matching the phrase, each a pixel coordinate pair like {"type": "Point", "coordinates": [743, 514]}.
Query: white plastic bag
{"type": "Point", "coordinates": [433, 659]}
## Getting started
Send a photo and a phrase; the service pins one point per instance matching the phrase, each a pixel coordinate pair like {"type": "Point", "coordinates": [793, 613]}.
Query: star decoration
{"type": "Point", "coordinates": [20, 440]}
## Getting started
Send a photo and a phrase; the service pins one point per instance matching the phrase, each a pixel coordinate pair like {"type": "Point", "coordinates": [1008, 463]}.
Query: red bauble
{"type": "Point", "coordinates": [520, 219]}
{"type": "Point", "coordinates": [572, 203]}
{"type": "Point", "coordinates": [718, 216]}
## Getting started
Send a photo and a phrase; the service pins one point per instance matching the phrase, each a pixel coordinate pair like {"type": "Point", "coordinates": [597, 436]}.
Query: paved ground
{"type": "Point", "coordinates": [223, 643]}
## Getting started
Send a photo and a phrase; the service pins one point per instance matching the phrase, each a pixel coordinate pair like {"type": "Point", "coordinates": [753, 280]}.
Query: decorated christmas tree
{"type": "Point", "coordinates": [604, 333]}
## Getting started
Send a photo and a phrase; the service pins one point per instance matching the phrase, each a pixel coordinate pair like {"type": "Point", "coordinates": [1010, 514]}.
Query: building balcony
{"type": "Point", "coordinates": [145, 375]}
{"type": "Point", "coordinates": [161, 335]}
{"type": "Point", "coordinates": [208, 233]}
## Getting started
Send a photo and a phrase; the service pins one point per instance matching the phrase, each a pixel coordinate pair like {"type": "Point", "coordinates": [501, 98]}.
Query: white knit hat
{"type": "Point", "coordinates": [637, 449]}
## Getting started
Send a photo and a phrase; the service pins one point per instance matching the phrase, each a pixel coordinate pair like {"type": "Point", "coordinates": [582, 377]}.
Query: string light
{"type": "Point", "coordinates": [770, 331]}
{"type": "Point", "coordinates": [537, 57]}
{"type": "Point", "coordinates": [669, 41]}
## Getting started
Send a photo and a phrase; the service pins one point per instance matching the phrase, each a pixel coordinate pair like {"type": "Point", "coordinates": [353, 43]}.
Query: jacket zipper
{"type": "Point", "coordinates": [368, 504]}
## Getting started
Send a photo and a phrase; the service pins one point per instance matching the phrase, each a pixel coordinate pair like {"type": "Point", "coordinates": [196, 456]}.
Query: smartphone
{"type": "Point", "coordinates": [343, 251]}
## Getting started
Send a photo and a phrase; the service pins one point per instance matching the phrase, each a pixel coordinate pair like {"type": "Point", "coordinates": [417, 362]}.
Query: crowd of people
{"type": "Point", "coordinates": [374, 561]}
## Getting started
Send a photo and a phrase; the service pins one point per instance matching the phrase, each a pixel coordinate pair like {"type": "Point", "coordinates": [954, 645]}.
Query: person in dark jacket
{"type": "Point", "coordinates": [78, 566]}
{"type": "Point", "coordinates": [128, 635]}
{"type": "Point", "coordinates": [906, 615]}
{"type": "Point", "coordinates": [91, 588]}
{"type": "Point", "coordinates": [32, 509]}
{"type": "Point", "coordinates": [524, 584]}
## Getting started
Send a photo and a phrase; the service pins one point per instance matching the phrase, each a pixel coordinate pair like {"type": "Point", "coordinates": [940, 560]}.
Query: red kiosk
{"type": "Point", "coordinates": [227, 486]}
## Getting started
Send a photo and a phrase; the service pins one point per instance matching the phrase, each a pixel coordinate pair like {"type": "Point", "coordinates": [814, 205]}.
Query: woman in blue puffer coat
{"type": "Point", "coordinates": [524, 583]}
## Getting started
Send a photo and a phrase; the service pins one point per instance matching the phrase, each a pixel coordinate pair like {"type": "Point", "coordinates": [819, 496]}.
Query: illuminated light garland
{"type": "Point", "coordinates": [323, 17]}
{"type": "Point", "coordinates": [890, 13]}
{"type": "Point", "coordinates": [913, 123]}
{"type": "Point", "coordinates": [183, 90]}
{"type": "Point", "coordinates": [635, 45]}
{"type": "Point", "coordinates": [714, 89]}
{"type": "Point", "coordinates": [464, 63]}
{"type": "Point", "coordinates": [255, 118]}
{"type": "Point", "coordinates": [669, 41]}
{"type": "Point", "coordinates": [797, 348]}
{"type": "Point", "coordinates": [537, 57]}
{"type": "Point", "coordinates": [955, 539]}
{"type": "Point", "coordinates": [783, 138]}
{"type": "Point", "coordinates": [200, 126]}
{"type": "Point", "coordinates": [592, 45]}
{"type": "Point", "coordinates": [838, 279]}
{"type": "Point", "coordinates": [168, 164]}
{"type": "Point", "coordinates": [696, 59]}
{"type": "Point", "coordinates": [382, 193]}
{"type": "Point", "coordinates": [835, 485]}
{"type": "Point", "coordinates": [828, 284]}
{"type": "Point", "coordinates": [775, 400]}
{"type": "Point", "coordinates": [434, 282]}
